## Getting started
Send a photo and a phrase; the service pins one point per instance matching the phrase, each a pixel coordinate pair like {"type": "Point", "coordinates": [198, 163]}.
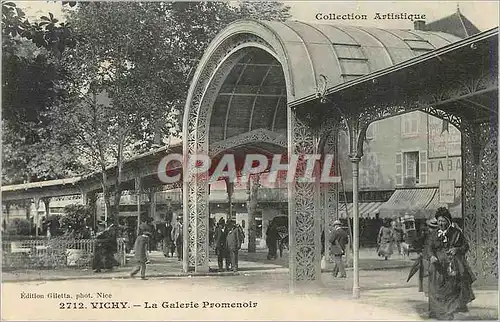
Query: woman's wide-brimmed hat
{"type": "Point", "coordinates": [432, 223]}
{"type": "Point", "coordinates": [443, 212]}
{"type": "Point", "coordinates": [337, 223]}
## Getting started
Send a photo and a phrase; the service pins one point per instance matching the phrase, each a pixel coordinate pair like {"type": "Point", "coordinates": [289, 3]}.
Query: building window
{"type": "Point", "coordinates": [410, 124]}
{"type": "Point", "coordinates": [411, 168]}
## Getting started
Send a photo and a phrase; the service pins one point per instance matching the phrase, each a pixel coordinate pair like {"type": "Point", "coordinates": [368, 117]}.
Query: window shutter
{"type": "Point", "coordinates": [423, 167]}
{"type": "Point", "coordinates": [414, 124]}
{"type": "Point", "coordinates": [399, 169]}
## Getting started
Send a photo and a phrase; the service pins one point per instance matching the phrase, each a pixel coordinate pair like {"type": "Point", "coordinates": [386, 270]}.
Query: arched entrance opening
{"type": "Point", "coordinates": [237, 105]}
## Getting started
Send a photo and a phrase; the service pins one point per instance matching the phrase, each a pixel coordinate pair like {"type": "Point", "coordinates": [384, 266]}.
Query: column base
{"type": "Point", "coordinates": [305, 287]}
{"type": "Point", "coordinates": [201, 269]}
{"type": "Point", "coordinates": [355, 293]}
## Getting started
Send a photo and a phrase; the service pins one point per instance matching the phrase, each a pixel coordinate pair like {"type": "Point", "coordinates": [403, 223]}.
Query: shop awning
{"type": "Point", "coordinates": [405, 201]}
{"type": "Point", "coordinates": [455, 208]}
{"type": "Point", "coordinates": [421, 203]}
{"type": "Point", "coordinates": [366, 209]}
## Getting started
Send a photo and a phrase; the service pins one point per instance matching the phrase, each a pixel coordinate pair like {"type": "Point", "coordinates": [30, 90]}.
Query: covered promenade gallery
{"type": "Point", "coordinates": [295, 85]}
{"type": "Point", "coordinates": [274, 87]}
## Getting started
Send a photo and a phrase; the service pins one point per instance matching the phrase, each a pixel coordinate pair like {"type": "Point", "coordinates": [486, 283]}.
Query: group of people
{"type": "Point", "coordinates": [228, 238]}
{"type": "Point", "coordinates": [227, 241]}
{"type": "Point", "coordinates": [447, 276]}
{"type": "Point", "coordinates": [172, 241]}
{"type": "Point", "coordinates": [390, 235]}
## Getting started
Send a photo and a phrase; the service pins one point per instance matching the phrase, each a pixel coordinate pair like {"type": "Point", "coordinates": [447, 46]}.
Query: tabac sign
{"type": "Point", "coordinates": [447, 191]}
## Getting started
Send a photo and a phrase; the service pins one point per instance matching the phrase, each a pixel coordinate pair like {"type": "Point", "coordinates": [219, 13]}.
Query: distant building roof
{"type": "Point", "coordinates": [456, 24]}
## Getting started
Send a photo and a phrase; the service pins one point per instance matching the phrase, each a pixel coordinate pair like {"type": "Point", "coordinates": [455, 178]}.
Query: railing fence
{"type": "Point", "coordinates": [53, 253]}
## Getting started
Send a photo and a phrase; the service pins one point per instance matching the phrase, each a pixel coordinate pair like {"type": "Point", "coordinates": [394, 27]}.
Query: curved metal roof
{"type": "Point", "coordinates": [337, 51]}
{"type": "Point", "coordinates": [291, 66]}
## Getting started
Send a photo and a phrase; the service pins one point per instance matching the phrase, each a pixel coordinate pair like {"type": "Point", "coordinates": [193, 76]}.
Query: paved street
{"type": "Point", "coordinates": [383, 297]}
{"type": "Point", "coordinates": [254, 263]}
{"type": "Point", "coordinates": [368, 259]}
{"type": "Point", "coordinates": [385, 294]}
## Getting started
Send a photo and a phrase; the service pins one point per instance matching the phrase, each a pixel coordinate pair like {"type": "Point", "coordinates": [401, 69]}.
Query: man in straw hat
{"type": "Point", "coordinates": [338, 239]}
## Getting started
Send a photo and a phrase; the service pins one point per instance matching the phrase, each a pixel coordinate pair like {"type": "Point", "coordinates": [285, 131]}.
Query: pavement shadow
{"type": "Point", "coordinates": [476, 313]}
{"type": "Point", "coordinates": [257, 268]}
{"type": "Point", "coordinates": [421, 307]}
{"type": "Point", "coordinates": [246, 269]}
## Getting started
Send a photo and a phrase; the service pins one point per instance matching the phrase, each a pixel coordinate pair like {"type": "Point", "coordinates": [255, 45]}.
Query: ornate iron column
{"type": "Point", "coordinates": [355, 225]}
{"type": "Point", "coordinates": [330, 191]}
{"type": "Point", "coordinates": [196, 125]}
{"type": "Point", "coordinates": [46, 203]}
{"type": "Point", "coordinates": [36, 200]}
{"type": "Point", "coordinates": [230, 191]}
{"type": "Point", "coordinates": [357, 131]}
{"type": "Point", "coordinates": [138, 192]}
{"type": "Point", "coordinates": [303, 206]}
{"type": "Point", "coordinates": [480, 197]}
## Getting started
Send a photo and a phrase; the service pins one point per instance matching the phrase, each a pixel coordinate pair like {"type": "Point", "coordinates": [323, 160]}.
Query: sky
{"type": "Point", "coordinates": [483, 14]}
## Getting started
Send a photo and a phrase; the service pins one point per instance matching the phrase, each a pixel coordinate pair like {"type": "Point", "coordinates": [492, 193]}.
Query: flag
{"type": "Point", "coordinates": [444, 126]}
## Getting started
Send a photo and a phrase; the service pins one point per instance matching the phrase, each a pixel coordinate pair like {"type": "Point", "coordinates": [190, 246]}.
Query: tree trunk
{"type": "Point", "coordinates": [27, 206]}
{"type": "Point", "coordinates": [252, 210]}
{"type": "Point", "coordinates": [118, 183]}
{"type": "Point", "coordinates": [106, 193]}
{"type": "Point", "coordinates": [115, 211]}
{"type": "Point", "coordinates": [92, 203]}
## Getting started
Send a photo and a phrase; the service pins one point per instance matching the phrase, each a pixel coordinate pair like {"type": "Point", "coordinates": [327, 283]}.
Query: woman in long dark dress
{"type": "Point", "coordinates": [450, 277]}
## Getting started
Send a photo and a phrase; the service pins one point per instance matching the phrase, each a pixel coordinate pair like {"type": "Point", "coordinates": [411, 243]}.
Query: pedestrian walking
{"type": "Point", "coordinates": [233, 243]}
{"type": "Point", "coordinates": [168, 243]}
{"type": "Point", "coordinates": [398, 233]}
{"type": "Point", "coordinates": [338, 240]}
{"type": "Point", "coordinates": [141, 257]}
{"type": "Point", "coordinates": [272, 241]}
{"type": "Point", "coordinates": [177, 234]}
{"type": "Point", "coordinates": [450, 277]}
{"type": "Point", "coordinates": [220, 244]}
{"type": "Point", "coordinates": [385, 241]}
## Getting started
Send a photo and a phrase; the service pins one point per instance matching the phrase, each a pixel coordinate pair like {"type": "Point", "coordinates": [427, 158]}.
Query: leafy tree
{"type": "Point", "coordinates": [18, 227]}
{"type": "Point", "coordinates": [110, 82]}
{"type": "Point", "coordinates": [120, 84]}
{"type": "Point", "coordinates": [31, 88]}
{"type": "Point", "coordinates": [77, 221]}
{"type": "Point", "coordinates": [264, 10]}
{"type": "Point", "coordinates": [130, 72]}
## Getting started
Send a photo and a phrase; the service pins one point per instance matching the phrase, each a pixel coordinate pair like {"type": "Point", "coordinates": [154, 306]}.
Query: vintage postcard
{"type": "Point", "coordinates": [249, 160]}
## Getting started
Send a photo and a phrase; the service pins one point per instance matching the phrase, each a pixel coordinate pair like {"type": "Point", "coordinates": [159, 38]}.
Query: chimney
{"type": "Point", "coordinates": [419, 24]}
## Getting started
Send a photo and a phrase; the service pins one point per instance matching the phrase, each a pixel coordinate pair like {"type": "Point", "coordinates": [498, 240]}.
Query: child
{"type": "Point", "coordinates": [141, 248]}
